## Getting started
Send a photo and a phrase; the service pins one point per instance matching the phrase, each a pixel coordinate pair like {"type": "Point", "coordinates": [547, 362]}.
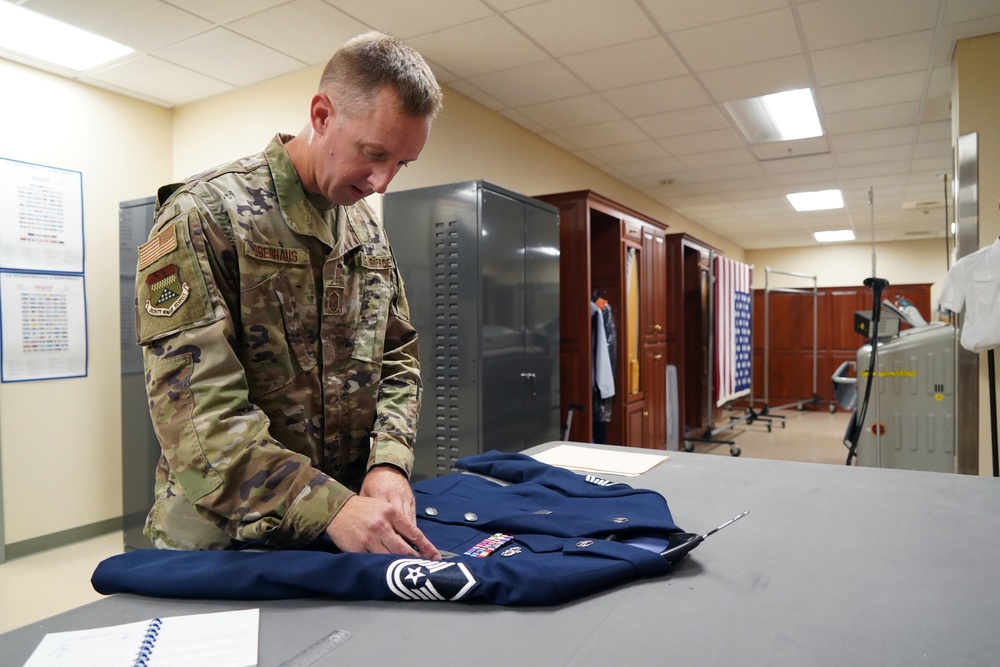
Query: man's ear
{"type": "Point", "coordinates": [322, 115]}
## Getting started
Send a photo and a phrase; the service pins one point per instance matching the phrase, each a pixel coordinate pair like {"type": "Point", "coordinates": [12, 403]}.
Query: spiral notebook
{"type": "Point", "coordinates": [223, 639]}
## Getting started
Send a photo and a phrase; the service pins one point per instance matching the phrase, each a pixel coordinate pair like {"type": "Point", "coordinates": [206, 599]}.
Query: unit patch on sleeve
{"type": "Point", "coordinates": [166, 292]}
{"type": "Point", "coordinates": [414, 579]}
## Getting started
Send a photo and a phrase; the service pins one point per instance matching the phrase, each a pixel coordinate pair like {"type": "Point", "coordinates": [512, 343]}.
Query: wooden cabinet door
{"type": "Point", "coordinates": [654, 367]}
{"type": "Point", "coordinates": [635, 424]}
{"type": "Point", "coordinates": [654, 284]}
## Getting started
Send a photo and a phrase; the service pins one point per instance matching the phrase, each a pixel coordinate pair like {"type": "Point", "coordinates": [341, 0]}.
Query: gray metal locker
{"type": "Point", "coordinates": [481, 268]}
{"type": "Point", "coordinates": [140, 448]}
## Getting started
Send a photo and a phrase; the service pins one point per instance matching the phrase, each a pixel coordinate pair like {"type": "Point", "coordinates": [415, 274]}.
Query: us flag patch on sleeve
{"type": "Point", "coordinates": [157, 247]}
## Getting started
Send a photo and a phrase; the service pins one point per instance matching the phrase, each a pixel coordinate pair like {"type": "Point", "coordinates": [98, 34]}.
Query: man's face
{"type": "Point", "coordinates": [358, 156]}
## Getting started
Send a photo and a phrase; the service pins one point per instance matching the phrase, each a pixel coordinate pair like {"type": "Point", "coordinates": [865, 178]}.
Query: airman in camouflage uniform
{"type": "Point", "coordinates": [281, 367]}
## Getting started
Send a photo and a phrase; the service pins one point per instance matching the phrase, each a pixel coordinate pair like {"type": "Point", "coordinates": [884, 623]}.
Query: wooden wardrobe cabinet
{"type": "Point", "coordinates": [688, 322]}
{"type": "Point", "coordinates": [613, 252]}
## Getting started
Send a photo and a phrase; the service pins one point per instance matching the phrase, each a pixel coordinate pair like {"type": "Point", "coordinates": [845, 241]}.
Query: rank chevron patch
{"type": "Point", "coordinates": [414, 579]}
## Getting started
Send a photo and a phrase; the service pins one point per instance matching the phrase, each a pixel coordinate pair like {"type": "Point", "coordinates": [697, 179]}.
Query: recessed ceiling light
{"type": "Point", "coordinates": [776, 117]}
{"type": "Point", "coordinates": [29, 33]}
{"type": "Point", "coordinates": [820, 200]}
{"type": "Point", "coordinates": [834, 235]}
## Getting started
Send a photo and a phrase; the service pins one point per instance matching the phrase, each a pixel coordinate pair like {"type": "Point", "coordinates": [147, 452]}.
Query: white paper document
{"type": "Point", "coordinates": [624, 462]}
{"type": "Point", "coordinates": [223, 639]}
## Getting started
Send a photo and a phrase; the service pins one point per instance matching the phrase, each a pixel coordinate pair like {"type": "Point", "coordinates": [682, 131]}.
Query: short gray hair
{"type": "Point", "coordinates": [366, 63]}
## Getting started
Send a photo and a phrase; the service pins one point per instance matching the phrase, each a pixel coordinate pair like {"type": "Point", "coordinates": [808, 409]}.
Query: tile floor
{"type": "Point", "coordinates": [41, 585]}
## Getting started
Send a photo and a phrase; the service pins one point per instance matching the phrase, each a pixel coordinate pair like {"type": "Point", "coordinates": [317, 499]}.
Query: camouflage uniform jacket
{"type": "Point", "coordinates": [280, 361]}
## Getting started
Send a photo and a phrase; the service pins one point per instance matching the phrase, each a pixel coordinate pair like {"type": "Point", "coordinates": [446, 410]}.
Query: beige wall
{"type": "Point", "coordinates": [976, 99]}
{"type": "Point", "coordinates": [900, 263]}
{"type": "Point", "coordinates": [60, 440]}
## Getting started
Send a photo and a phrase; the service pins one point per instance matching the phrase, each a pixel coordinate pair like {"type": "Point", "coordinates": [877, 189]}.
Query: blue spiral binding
{"type": "Point", "coordinates": [148, 642]}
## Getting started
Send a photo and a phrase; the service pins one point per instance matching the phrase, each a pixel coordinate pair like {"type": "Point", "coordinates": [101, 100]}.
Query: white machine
{"type": "Point", "coordinates": [910, 419]}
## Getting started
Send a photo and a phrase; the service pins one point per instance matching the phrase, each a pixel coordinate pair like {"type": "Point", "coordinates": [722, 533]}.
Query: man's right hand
{"type": "Point", "coordinates": [373, 525]}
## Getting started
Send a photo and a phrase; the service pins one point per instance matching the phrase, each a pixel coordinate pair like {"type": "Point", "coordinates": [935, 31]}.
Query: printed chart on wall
{"type": "Point", "coordinates": [43, 309]}
{"type": "Point", "coordinates": [44, 326]}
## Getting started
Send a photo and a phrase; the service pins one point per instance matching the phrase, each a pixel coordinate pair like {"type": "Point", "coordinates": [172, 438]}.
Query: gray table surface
{"type": "Point", "coordinates": [833, 566]}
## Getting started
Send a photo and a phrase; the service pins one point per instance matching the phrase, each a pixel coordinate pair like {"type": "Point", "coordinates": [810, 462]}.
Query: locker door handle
{"type": "Point", "coordinates": [657, 356]}
{"type": "Point", "coordinates": [531, 376]}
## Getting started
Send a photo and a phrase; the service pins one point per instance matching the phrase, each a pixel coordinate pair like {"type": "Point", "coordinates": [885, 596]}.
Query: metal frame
{"type": "Point", "coordinates": [767, 334]}
{"type": "Point", "coordinates": [751, 416]}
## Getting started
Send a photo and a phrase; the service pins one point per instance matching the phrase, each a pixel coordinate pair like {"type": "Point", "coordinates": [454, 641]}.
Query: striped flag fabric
{"type": "Point", "coordinates": [732, 329]}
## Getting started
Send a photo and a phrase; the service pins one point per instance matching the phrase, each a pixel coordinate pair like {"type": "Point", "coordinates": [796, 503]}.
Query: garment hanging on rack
{"type": "Point", "coordinates": [605, 346]}
{"type": "Point", "coordinates": [974, 281]}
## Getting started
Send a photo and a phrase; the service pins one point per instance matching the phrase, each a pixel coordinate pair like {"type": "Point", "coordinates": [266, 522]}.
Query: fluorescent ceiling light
{"type": "Point", "coordinates": [32, 34]}
{"type": "Point", "coordinates": [834, 235]}
{"type": "Point", "coordinates": [820, 200]}
{"type": "Point", "coordinates": [777, 117]}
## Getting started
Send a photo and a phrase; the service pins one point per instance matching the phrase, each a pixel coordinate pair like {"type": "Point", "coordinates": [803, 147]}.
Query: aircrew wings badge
{"type": "Point", "coordinates": [166, 291]}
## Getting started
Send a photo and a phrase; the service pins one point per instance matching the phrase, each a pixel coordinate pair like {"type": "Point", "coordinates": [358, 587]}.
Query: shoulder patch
{"type": "Point", "coordinates": [171, 294]}
{"type": "Point", "coordinates": [158, 246]}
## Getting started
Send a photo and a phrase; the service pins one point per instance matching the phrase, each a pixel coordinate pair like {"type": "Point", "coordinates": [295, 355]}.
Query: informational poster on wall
{"type": "Point", "coordinates": [44, 326]}
{"type": "Point", "coordinates": [41, 218]}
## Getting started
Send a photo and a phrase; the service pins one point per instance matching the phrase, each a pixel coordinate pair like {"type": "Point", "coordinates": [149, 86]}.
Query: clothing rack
{"type": "Point", "coordinates": [800, 404]}
{"type": "Point", "coordinates": [708, 435]}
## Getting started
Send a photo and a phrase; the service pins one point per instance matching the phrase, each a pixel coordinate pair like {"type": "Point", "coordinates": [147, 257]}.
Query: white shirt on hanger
{"type": "Point", "coordinates": [974, 281]}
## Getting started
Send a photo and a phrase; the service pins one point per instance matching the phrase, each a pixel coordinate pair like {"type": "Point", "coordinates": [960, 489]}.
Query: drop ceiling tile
{"type": "Point", "coordinates": [683, 121]}
{"type": "Point", "coordinates": [658, 96]}
{"type": "Point", "coordinates": [874, 155]}
{"type": "Point", "coordinates": [960, 11]}
{"type": "Point", "coordinates": [932, 149]}
{"type": "Point", "coordinates": [871, 60]}
{"type": "Point", "coordinates": [674, 15]}
{"type": "Point", "coordinates": [530, 84]}
{"type": "Point", "coordinates": [659, 167]}
{"type": "Point", "coordinates": [564, 27]}
{"type": "Point", "coordinates": [522, 120]}
{"type": "Point", "coordinates": [474, 93]}
{"type": "Point", "coordinates": [830, 24]}
{"type": "Point", "coordinates": [626, 64]}
{"type": "Point", "coordinates": [307, 30]}
{"type": "Point", "coordinates": [229, 57]}
{"type": "Point", "coordinates": [934, 131]}
{"type": "Point", "coordinates": [701, 142]}
{"type": "Point", "coordinates": [605, 134]}
{"type": "Point", "coordinates": [718, 158]}
{"type": "Point", "coordinates": [559, 141]}
{"type": "Point", "coordinates": [872, 92]}
{"type": "Point", "coordinates": [749, 39]}
{"type": "Point", "coordinates": [157, 78]}
{"type": "Point", "coordinates": [939, 164]}
{"type": "Point", "coordinates": [756, 79]}
{"type": "Point", "coordinates": [144, 25]}
{"type": "Point", "coordinates": [223, 11]}
{"type": "Point", "coordinates": [406, 19]}
{"type": "Point", "coordinates": [621, 154]}
{"type": "Point", "coordinates": [799, 165]}
{"type": "Point", "coordinates": [875, 118]}
{"type": "Point", "coordinates": [571, 112]}
{"type": "Point", "coordinates": [895, 136]}
{"type": "Point", "coordinates": [472, 49]}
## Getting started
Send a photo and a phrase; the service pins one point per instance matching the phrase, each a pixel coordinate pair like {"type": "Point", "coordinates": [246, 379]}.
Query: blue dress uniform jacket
{"type": "Point", "coordinates": [538, 536]}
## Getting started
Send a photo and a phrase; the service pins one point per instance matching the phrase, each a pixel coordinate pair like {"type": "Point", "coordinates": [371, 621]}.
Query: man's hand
{"type": "Point", "coordinates": [381, 519]}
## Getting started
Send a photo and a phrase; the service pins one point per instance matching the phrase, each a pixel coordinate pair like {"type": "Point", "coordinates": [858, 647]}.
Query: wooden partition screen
{"type": "Point", "coordinates": [790, 358]}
